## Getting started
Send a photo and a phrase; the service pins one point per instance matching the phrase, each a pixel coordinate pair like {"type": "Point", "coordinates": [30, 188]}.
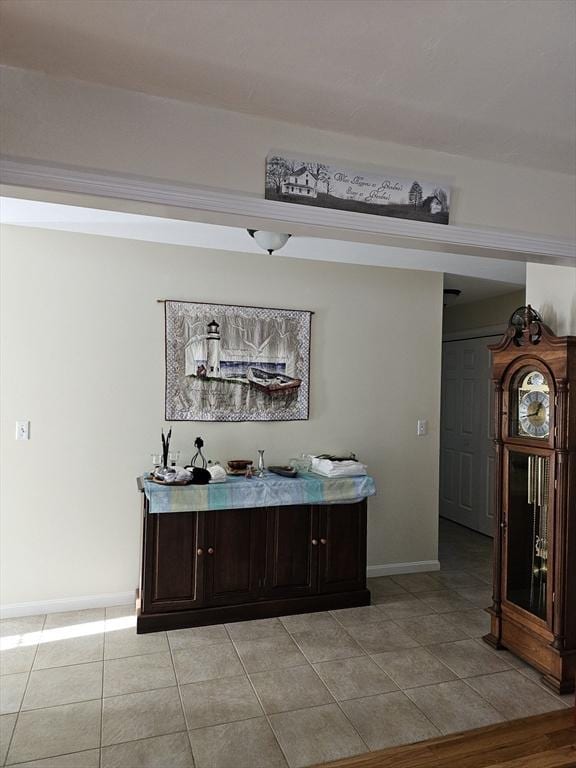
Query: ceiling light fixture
{"type": "Point", "coordinates": [269, 241]}
{"type": "Point", "coordinates": [450, 296]}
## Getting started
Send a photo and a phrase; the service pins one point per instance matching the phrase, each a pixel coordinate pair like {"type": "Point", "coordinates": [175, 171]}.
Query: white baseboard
{"type": "Point", "coordinates": [391, 569]}
{"type": "Point", "coordinates": [14, 610]}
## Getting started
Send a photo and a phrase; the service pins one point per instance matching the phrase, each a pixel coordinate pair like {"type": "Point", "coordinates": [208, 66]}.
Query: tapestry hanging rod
{"type": "Point", "coordinates": [249, 306]}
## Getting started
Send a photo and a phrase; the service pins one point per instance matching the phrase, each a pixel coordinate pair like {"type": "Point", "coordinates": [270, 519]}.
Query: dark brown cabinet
{"type": "Point", "coordinates": [342, 548]}
{"type": "Point", "coordinates": [291, 554]}
{"type": "Point", "coordinates": [173, 579]}
{"type": "Point", "coordinates": [229, 565]}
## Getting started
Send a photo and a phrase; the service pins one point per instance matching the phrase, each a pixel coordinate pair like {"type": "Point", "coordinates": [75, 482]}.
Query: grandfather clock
{"type": "Point", "coordinates": [534, 601]}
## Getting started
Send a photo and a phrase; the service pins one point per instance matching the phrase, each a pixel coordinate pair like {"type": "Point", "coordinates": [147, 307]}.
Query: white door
{"type": "Point", "coordinates": [466, 449]}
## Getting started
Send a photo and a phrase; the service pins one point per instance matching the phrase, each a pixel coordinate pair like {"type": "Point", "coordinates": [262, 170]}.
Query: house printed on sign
{"type": "Point", "coordinates": [301, 182]}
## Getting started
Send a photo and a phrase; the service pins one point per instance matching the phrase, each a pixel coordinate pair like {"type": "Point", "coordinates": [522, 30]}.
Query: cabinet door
{"type": "Point", "coordinates": [234, 555]}
{"type": "Point", "coordinates": [173, 573]}
{"type": "Point", "coordinates": [291, 551]}
{"type": "Point", "coordinates": [342, 550]}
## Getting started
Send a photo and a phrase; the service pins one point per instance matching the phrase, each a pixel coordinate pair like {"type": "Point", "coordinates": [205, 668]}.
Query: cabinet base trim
{"type": "Point", "coordinates": [154, 622]}
{"type": "Point", "coordinates": [392, 569]}
{"type": "Point", "coordinates": [558, 670]}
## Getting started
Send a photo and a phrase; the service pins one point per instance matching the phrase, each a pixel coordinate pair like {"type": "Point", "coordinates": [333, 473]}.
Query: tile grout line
{"type": "Point", "coordinates": [256, 692]}
{"type": "Point", "coordinates": [400, 690]}
{"type": "Point", "coordinates": [544, 687]}
{"type": "Point", "coordinates": [52, 757]}
{"type": "Point", "coordinates": [23, 695]}
{"type": "Point", "coordinates": [102, 694]}
{"type": "Point", "coordinates": [324, 684]}
{"type": "Point", "coordinates": [525, 672]}
{"type": "Point", "coordinates": [369, 655]}
{"type": "Point", "coordinates": [388, 621]}
{"type": "Point", "coordinates": [101, 699]}
{"type": "Point", "coordinates": [170, 650]}
{"type": "Point", "coordinates": [506, 718]}
{"type": "Point", "coordinates": [411, 687]}
{"type": "Point", "coordinates": [502, 672]}
{"type": "Point", "coordinates": [180, 698]}
{"type": "Point", "coordinates": [96, 698]}
{"type": "Point", "coordinates": [360, 697]}
{"type": "Point", "coordinates": [445, 664]}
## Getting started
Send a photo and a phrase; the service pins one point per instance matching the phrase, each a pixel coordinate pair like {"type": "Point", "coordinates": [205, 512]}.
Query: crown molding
{"type": "Point", "coordinates": [19, 172]}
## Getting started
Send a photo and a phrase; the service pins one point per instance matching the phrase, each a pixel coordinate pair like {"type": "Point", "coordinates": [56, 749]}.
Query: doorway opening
{"type": "Point", "coordinates": [476, 319]}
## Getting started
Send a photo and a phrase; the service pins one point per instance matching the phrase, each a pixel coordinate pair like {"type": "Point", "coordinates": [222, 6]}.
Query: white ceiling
{"type": "Point", "coordinates": [493, 79]}
{"type": "Point", "coordinates": [476, 277]}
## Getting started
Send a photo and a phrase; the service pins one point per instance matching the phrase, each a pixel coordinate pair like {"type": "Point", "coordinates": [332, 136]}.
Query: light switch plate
{"type": "Point", "coordinates": [422, 427]}
{"type": "Point", "coordinates": [22, 430]}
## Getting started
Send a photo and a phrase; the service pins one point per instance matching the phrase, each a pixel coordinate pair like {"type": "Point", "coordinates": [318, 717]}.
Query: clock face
{"type": "Point", "coordinates": [534, 414]}
{"type": "Point", "coordinates": [533, 406]}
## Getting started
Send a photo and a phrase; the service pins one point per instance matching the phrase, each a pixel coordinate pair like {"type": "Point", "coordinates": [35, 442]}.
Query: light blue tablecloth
{"type": "Point", "coordinates": [269, 491]}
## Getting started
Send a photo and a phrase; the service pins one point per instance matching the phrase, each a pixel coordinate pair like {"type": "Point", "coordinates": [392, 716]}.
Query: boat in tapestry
{"type": "Point", "coordinates": [272, 383]}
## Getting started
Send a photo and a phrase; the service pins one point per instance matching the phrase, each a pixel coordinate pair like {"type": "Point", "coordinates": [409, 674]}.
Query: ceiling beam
{"type": "Point", "coordinates": [240, 209]}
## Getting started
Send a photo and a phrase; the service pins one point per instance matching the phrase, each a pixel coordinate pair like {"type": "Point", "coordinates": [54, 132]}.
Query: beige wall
{"type": "Point", "coordinates": [479, 314]}
{"type": "Point", "coordinates": [552, 291]}
{"type": "Point", "coordinates": [82, 358]}
{"type": "Point", "coordinates": [93, 126]}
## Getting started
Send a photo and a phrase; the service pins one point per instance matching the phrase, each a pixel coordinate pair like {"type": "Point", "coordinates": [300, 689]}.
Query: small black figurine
{"type": "Point", "coordinates": [198, 444]}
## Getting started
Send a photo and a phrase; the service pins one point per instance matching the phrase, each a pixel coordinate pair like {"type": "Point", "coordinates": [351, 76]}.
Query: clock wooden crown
{"type": "Point", "coordinates": [534, 428]}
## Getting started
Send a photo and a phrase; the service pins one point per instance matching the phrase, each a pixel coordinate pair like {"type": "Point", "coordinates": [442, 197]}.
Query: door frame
{"type": "Point", "coordinates": [487, 331]}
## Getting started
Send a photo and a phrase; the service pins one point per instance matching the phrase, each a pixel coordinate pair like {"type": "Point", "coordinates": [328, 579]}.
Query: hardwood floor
{"type": "Point", "coordinates": [543, 741]}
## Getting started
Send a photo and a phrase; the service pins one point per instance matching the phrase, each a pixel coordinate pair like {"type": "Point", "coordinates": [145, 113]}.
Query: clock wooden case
{"type": "Point", "coordinates": [534, 599]}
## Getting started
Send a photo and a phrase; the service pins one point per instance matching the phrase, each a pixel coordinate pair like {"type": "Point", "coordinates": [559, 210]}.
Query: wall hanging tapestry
{"type": "Point", "coordinates": [293, 179]}
{"type": "Point", "coordinates": [235, 363]}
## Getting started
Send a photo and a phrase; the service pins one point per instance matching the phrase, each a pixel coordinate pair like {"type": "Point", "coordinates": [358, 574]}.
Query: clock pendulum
{"type": "Point", "coordinates": [538, 473]}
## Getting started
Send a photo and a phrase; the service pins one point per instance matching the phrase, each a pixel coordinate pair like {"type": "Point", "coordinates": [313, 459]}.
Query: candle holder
{"type": "Point", "coordinates": [261, 465]}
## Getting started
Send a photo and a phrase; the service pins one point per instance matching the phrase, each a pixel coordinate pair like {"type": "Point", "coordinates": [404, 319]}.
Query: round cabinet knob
{"type": "Point", "coordinates": [199, 551]}
{"type": "Point", "coordinates": [210, 550]}
{"type": "Point", "coordinates": [323, 541]}
{"type": "Point", "coordinates": [314, 542]}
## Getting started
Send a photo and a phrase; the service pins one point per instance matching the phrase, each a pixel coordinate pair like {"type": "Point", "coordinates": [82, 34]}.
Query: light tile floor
{"type": "Point", "coordinates": [82, 690]}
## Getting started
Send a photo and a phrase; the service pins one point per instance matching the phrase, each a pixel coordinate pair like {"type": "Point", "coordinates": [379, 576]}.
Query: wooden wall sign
{"type": "Point", "coordinates": [325, 184]}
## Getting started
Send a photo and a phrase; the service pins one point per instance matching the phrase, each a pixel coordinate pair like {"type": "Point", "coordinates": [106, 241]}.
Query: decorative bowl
{"type": "Point", "coordinates": [239, 464]}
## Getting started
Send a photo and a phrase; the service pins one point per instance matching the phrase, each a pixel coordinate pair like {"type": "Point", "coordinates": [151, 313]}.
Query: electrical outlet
{"type": "Point", "coordinates": [422, 427]}
{"type": "Point", "coordinates": [22, 430]}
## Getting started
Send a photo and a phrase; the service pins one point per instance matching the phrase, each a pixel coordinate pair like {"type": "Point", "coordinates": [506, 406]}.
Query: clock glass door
{"type": "Point", "coordinates": [527, 532]}
{"type": "Point", "coordinates": [530, 406]}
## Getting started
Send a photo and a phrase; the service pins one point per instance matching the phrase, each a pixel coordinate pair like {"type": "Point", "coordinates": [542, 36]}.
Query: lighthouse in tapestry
{"type": "Point", "coordinates": [233, 363]}
{"type": "Point", "coordinates": [213, 350]}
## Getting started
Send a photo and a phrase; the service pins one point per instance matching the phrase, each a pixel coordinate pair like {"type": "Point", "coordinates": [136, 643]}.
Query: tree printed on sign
{"type": "Point", "coordinates": [442, 197]}
{"type": "Point", "coordinates": [415, 194]}
{"type": "Point", "coordinates": [276, 170]}
{"type": "Point", "coordinates": [322, 173]}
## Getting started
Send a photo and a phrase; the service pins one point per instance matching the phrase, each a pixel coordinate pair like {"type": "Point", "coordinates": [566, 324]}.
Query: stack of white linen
{"type": "Point", "coordinates": [331, 468]}
{"type": "Point", "coordinates": [217, 473]}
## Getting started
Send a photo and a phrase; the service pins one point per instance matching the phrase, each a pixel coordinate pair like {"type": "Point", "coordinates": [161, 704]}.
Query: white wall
{"type": "Point", "coordinates": [66, 121]}
{"type": "Point", "coordinates": [82, 358]}
{"type": "Point", "coordinates": [552, 291]}
{"type": "Point", "coordinates": [495, 310]}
